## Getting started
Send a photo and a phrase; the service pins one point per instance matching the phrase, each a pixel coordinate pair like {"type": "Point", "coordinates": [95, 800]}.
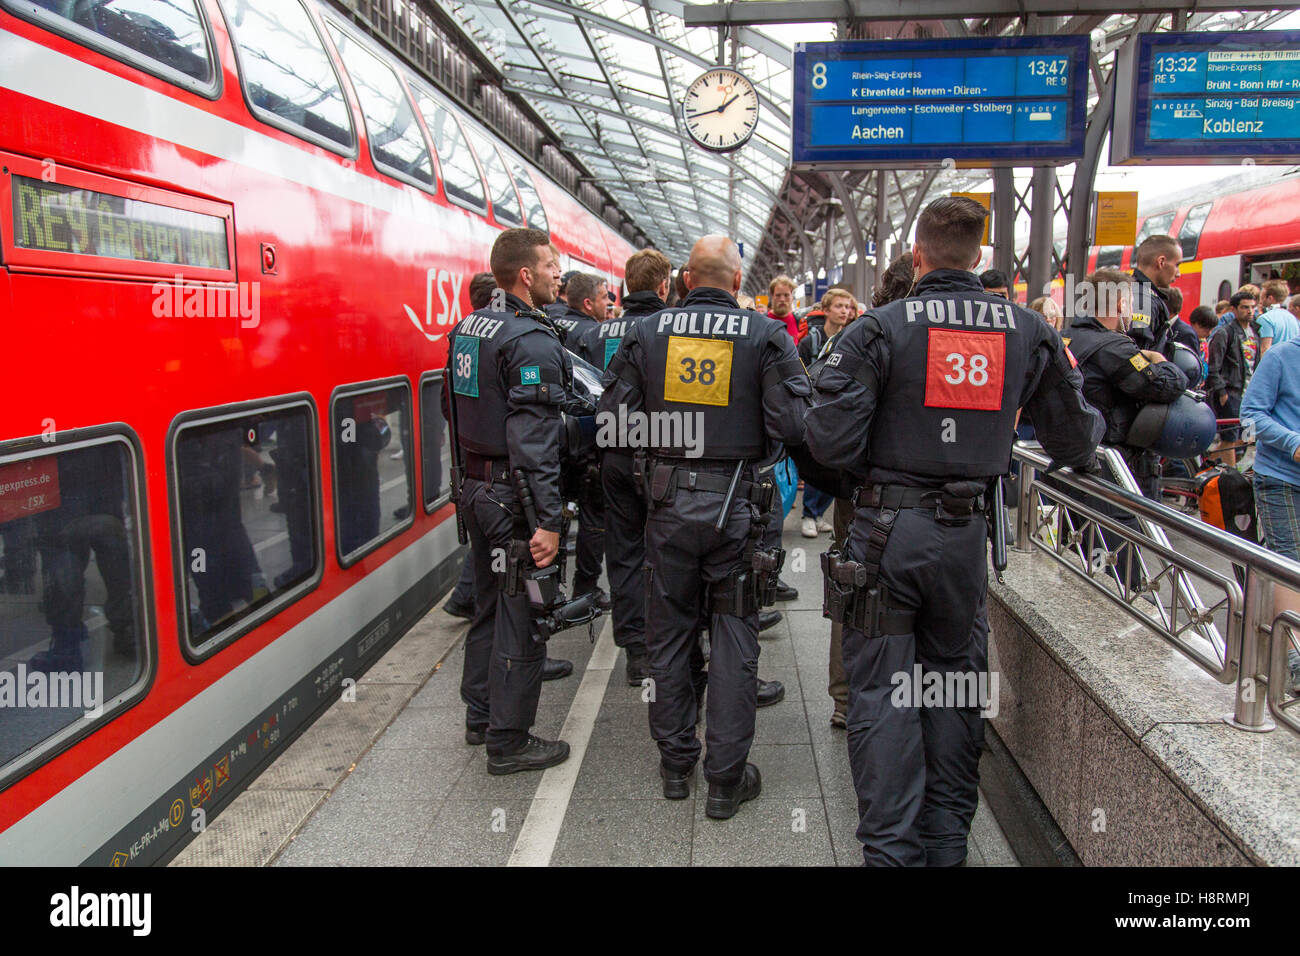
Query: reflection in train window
{"type": "Point", "coordinates": [435, 441]}
{"type": "Point", "coordinates": [505, 204]}
{"type": "Point", "coordinates": [460, 176]}
{"type": "Point", "coordinates": [167, 33]}
{"type": "Point", "coordinates": [1189, 233]}
{"type": "Point", "coordinates": [532, 202]}
{"type": "Point", "coordinates": [1157, 225]}
{"type": "Point", "coordinates": [72, 612]}
{"type": "Point", "coordinates": [395, 138]}
{"type": "Point", "coordinates": [246, 491]}
{"type": "Point", "coordinates": [1109, 257]}
{"type": "Point", "coordinates": [372, 467]}
{"type": "Point", "coordinates": [288, 77]}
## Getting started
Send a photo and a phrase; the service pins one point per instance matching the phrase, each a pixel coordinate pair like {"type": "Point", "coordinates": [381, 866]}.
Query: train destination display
{"type": "Point", "coordinates": [1208, 97]}
{"type": "Point", "coordinates": [977, 101]}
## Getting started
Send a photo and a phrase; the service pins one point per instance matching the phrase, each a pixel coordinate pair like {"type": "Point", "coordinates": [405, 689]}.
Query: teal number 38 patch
{"type": "Point", "coordinates": [611, 346]}
{"type": "Point", "coordinates": [464, 366]}
{"type": "Point", "coordinates": [530, 375]}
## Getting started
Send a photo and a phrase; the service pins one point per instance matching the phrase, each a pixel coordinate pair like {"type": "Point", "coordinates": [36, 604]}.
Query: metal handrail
{"type": "Point", "coordinates": [1255, 638]}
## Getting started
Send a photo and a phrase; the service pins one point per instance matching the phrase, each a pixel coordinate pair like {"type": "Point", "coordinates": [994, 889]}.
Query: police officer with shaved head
{"type": "Point", "coordinates": [920, 397]}
{"type": "Point", "coordinates": [509, 379]}
{"type": "Point", "coordinates": [722, 388]}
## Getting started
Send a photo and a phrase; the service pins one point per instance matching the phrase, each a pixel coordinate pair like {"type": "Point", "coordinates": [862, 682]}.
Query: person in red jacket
{"type": "Point", "coordinates": [780, 292]}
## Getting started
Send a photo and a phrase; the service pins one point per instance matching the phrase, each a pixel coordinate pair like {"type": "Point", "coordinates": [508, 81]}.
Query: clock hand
{"type": "Point", "coordinates": [728, 103]}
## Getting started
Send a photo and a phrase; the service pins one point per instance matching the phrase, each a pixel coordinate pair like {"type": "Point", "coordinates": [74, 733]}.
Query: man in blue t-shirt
{"type": "Point", "coordinates": [1277, 323]}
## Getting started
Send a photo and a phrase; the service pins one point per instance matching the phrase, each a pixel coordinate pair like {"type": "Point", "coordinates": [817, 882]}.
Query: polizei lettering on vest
{"type": "Point", "coordinates": [704, 323]}
{"type": "Point", "coordinates": [479, 326]}
{"type": "Point", "coordinates": [968, 313]}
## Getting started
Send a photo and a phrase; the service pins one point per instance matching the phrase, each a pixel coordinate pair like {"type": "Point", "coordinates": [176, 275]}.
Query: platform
{"type": "Point", "coordinates": [389, 780]}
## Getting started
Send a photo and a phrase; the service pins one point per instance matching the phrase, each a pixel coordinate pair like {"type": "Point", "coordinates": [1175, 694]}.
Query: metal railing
{"type": "Point", "coordinates": [1117, 540]}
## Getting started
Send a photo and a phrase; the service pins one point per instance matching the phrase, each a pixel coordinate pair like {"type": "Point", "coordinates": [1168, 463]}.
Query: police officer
{"type": "Point", "coordinates": [587, 310]}
{"type": "Point", "coordinates": [561, 304]}
{"type": "Point", "coordinates": [734, 376]}
{"type": "Point", "coordinates": [508, 376]}
{"type": "Point", "coordinates": [646, 275]}
{"type": "Point", "coordinates": [1156, 267]}
{"type": "Point", "coordinates": [1118, 379]}
{"type": "Point", "coordinates": [920, 396]}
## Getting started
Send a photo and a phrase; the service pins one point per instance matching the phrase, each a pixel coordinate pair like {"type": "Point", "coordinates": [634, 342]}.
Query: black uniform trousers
{"type": "Point", "coordinates": [916, 768]}
{"type": "Point", "coordinates": [502, 680]}
{"type": "Point", "coordinates": [683, 556]}
{"type": "Point", "coordinates": [590, 554]}
{"type": "Point", "coordinates": [625, 517]}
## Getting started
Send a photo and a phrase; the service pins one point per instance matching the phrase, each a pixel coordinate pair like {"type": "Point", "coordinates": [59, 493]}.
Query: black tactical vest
{"type": "Point", "coordinates": [476, 372]}
{"type": "Point", "coordinates": [959, 360]}
{"type": "Point", "coordinates": [702, 362]}
{"type": "Point", "coordinates": [598, 345]}
{"type": "Point", "coordinates": [1086, 341]}
{"type": "Point", "coordinates": [573, 326]}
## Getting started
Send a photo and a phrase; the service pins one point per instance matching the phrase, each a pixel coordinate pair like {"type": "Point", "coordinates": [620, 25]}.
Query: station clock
{"type": "Point", "coordinates": [720, 110]}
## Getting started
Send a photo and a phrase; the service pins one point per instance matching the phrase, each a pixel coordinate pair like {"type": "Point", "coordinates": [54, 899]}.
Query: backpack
{"type": "Point", "coordinates": [1227, 501]}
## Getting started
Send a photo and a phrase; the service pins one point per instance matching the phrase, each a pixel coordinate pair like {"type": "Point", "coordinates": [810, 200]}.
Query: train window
{"type": "Point", "coordinates": [75, 632]}
{"type": "Point", "coordinates": [1156, 226]}
{"type": "Point", "coordinates": [246, 500]}
{"type": "Point", "coordinates": [396, 142]}
{"type": "Point", "coordinates": [288, 77]}
{"type": "Point", "coordinates": [1189, 234]}
{"type": "Point", "coordinates": [532, 202]}
{"type": "Point", "coordinates": [1109, 257]}
{"type": "Point", "coordinates": [505, 204]}
{"type": "Point", "coordinates": [371, 428]}
{"type": "Point", "coordinates": [435, 442]}
{"type": "Point", "coordinates": [460, 175]}
{"type": "Point", "coordinates": [1225, 290]}
{"type": "Point", "coordinates": [168, 38]}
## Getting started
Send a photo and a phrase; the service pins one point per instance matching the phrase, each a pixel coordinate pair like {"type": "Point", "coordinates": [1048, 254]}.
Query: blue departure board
{"type": "Point", "coordinates": [1208, 97]}
{"type": "Point", "coordinates": [978, 101]}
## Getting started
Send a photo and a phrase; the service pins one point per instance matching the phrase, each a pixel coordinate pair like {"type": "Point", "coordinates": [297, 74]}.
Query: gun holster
{"type": "Point", "coordinates": [519, 561]}
{"type": "Point", "coordinates": [663, 484]}
{"type": "Point", "coordinates": [736, 595]}
{"type": "Point", "coordinates": [767, 569]}
{"type": "Point", "coordinates": [640, 472]}
{"type": "Point", "coordinates": [847, 599]}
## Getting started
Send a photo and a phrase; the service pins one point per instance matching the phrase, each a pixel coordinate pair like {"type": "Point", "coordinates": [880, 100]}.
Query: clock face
{"type": "Point", "coordinates": [721, 110]}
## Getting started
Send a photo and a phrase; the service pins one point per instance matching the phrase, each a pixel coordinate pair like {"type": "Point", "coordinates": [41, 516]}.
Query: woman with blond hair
{"type": "Point", "coordinates": [1046, 306]}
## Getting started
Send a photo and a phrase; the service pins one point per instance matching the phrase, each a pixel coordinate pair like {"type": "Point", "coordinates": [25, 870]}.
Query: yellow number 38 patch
{"type": "Point", "coordinates": [698, 371]}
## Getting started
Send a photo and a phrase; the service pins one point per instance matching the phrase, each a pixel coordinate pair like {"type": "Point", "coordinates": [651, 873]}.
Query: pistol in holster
{"type": "Point", "coordinates": [519, 561]}
{"type": "Point", "coordinates": [847, 599]}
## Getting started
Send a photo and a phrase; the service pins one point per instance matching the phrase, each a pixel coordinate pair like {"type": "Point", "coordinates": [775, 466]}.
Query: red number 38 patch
{"type": "Point", "coordinates": [965, 370]}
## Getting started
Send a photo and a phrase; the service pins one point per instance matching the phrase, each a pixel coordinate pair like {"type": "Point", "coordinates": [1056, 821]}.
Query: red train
{"type": "Point", "coordinates": [1228, 239]}
{"type": "Point", "coordinates": [233, 237]}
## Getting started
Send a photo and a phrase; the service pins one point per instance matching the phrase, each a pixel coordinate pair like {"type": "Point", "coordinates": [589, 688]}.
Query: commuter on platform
{"type": "Point", "coordinates": [1233, 351]}
{"type": "Point", "coordinates": [995, 282]}
{"type": "Point", "coordinates": [1277, 324]}
{"type": "Point", "coordinates": [780, 292]}
{"type": "Point", "coordinates": [1046, 306]}
{"type": "Point", "coordinates": [839, 309]}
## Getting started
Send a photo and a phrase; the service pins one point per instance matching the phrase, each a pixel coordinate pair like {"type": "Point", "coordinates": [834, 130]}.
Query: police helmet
{"type": "Point", "coordinates": [1187, 360]}
{"type": "Point", "coordinates": [1183, 428]}
{"type": "Point", "coordinates": [587, 387]}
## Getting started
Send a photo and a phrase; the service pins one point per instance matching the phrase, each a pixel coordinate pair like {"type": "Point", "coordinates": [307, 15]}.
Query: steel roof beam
{"type": "Point", "coordinates": [759, 12]}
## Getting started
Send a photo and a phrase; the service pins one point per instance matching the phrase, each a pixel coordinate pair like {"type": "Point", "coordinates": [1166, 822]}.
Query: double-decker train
{"type": "Point", "coordinates": [1229, 237]}
{"type": "Point", "coordinates": [233, 238]}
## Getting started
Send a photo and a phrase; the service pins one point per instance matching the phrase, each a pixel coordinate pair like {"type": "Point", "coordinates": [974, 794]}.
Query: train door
{"type": "Point", "coordinates": [1220, 277]}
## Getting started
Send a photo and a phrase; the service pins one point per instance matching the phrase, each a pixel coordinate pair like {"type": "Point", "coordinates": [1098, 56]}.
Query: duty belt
{"type": "Point", "coordinates": [486, 470]}
{"type": "Point", "coordinates": [898, 497]}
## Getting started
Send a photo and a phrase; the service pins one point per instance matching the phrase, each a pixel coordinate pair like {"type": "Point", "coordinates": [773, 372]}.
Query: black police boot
{"type": "Point", "coordinates": [768, 620]}
{"type": "Point", "coordinates": [784, 592]}
{"type": "Point", "coordinates": [601, 598]}
{"type": "Point", "coordinates": [475, 738]}
{"type": "Point", "coordinates": [555, 668]}
{"type": "Point", "coordinates": [457, 609]}
{"type": "Point", "coordinates": [724, 801]}
{"type": "Point", "coordinates": [770, 692]}
{"type": "Point", "coordinates": [638, 667]}
{"type": "Point", "coordinates": [677, 786]}
{"type": "Point", "coordinates": [537, 754]}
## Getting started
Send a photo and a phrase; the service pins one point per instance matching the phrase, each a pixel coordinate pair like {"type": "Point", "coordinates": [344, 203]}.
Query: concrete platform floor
{"type": "Point", "coordinates": [388, 779]}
